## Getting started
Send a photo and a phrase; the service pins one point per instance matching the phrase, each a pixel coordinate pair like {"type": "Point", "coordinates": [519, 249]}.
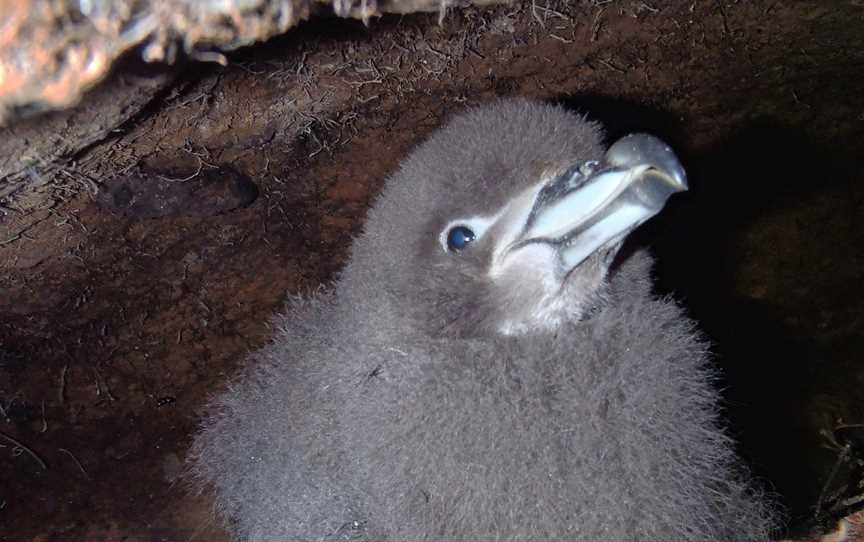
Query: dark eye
{"type": "Point", "coordinates": [459, 237]}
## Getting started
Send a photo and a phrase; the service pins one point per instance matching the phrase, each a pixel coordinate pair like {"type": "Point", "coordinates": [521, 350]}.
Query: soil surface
{"type": "Point", "coordinates": [156, 256]}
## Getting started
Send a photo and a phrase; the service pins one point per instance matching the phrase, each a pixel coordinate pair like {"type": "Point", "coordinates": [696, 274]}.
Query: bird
{"type": "Point", "coordinates": [489, 365]}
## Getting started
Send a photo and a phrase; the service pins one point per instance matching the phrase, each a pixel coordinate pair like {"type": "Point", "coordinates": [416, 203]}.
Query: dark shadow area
{"type": "Point", "coordinates": [620, 116]}
{"type": "Point", "coordinates": [784, 369]}
{"type": "Point", "coordinates": [787, 379]}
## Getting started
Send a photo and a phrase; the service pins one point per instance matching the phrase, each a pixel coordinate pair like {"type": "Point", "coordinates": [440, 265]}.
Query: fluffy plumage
{"type": "Point", "coordinates": [392, 408]}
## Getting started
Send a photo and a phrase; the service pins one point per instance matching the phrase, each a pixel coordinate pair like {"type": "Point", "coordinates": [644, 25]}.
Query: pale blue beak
{"type": "Point", "coordinates": [596, 204]}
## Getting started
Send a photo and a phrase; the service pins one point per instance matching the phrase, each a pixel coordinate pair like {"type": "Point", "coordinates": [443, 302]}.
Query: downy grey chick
{"type": "Point", "coordinates": [477, 373]}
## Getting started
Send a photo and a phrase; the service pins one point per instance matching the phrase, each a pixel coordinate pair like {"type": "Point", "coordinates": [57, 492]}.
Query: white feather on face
{"type": "Point", "coordinates": [532, 285]}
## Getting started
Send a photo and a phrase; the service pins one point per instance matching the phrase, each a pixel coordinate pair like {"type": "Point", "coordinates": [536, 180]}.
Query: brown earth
{"type": "Point", "coordinates": [136, 280]}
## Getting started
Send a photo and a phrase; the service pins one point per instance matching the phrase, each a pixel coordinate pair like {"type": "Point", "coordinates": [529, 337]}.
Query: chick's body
{"type": "Point", "coordinates": [396, 407]}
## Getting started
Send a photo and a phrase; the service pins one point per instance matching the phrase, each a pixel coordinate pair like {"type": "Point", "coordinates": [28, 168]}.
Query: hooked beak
{"type": "Point", "coordinates": [596, 204]}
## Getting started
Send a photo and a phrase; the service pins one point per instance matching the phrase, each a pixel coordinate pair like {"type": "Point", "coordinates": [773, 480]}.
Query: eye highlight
{"type": "Point", "coordinates": [462, 231]}
{"type": "Point", "coordinates": [459, 237]}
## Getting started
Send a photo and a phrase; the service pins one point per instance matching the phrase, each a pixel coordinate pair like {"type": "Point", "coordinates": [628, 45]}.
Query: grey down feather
{"type": "Point", "coordinates": [387, 408]}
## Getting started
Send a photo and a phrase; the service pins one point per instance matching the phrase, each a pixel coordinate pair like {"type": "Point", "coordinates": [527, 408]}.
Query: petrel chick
{"type": "Point", "coordinates": [477, 373]}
